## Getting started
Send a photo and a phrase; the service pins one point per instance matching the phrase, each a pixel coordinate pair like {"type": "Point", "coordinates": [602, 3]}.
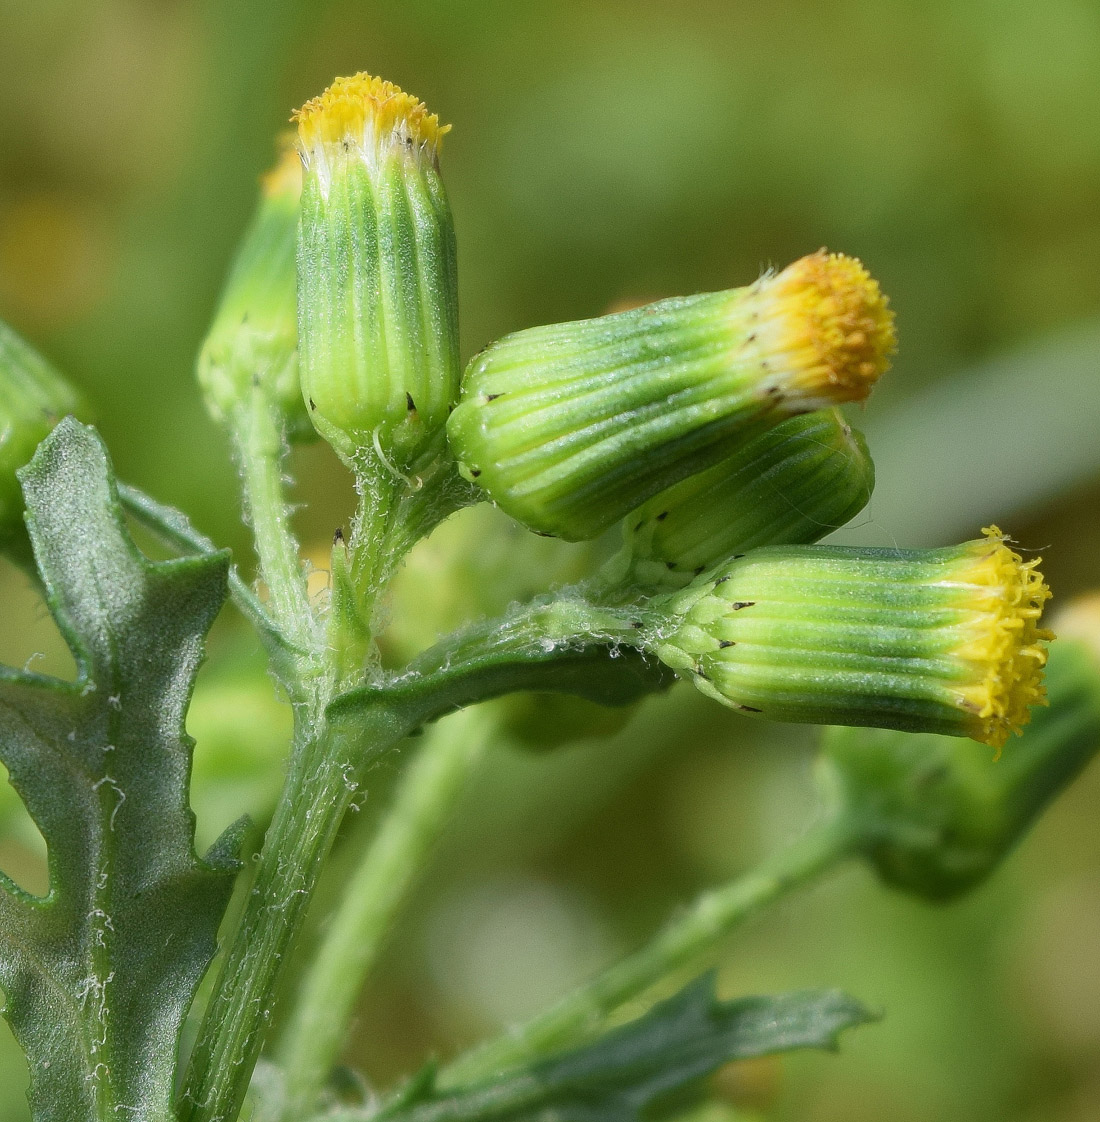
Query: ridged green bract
{"type": "Point", "coordinates": [378, 308]}
{"type": "Point", "coordinates": [99, 974]}
{"type": "Point", "coordinates": [253, 340]}
{"type": "Point", "coordinates": [571, 426]}
{"type": "Point", "coordinates": [791, 485]}
{"type": "Point", "coordinates": [846, 635]}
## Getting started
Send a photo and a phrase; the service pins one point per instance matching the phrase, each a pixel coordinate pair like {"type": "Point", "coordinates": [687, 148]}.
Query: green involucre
{"type": "Point", "coordinates": [793, 484]}
{"type": "Point", "coordinates": [900, 639]}
{"type": "Point", "coordinates": [253, 339]}
{"type": "Point", "coordinates": [378, 307]}
{"type": "Point", "coordinates": [571, 426]}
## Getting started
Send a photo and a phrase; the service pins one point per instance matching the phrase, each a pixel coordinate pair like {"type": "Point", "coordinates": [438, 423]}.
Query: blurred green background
{"type": "Point", "coordinates": [604, 151]}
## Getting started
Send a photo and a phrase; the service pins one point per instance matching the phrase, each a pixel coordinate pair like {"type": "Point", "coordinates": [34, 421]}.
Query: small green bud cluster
{"type": "Point", "coordinates": [705, 426]}
{"type": "Point", "coordinates": [701, 423]}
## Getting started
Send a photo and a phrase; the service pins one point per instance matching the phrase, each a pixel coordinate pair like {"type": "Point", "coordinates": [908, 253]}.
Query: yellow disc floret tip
{"type": "Point", "coordinates": [1007, 647]}
{"type": "Point", "coordinates": [367, 113]}
{"type": "Point", "coordinates": [838, 331]}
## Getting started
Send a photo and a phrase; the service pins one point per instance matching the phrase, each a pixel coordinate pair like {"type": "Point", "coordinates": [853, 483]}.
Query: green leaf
{"type": "Point", "coordinates": [99, 974]}
{"type": "Point", "coordinates": [553, 645]}
{"type": "Point", "coordinates": [629, 1070]}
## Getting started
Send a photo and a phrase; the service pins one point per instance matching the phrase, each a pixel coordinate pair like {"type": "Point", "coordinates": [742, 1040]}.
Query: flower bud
{"type": "Point", "coordinates": [253, 340]}
{"type": "Point", "coordinates": [571, 427]}
{"type": "Point", "coordinates": [377, 282]}
{"type": "Point", "coordinates": [939, 814]}
{"type": "Point", "coordinates": [33, 398]}
{"type": "Point", "coordinates": [940, 640]}
{"type": "Point", "coordinates": [791, 485]}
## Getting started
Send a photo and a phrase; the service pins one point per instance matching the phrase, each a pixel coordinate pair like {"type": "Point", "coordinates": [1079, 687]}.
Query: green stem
{"type": "Point", "coordinates": [371, 899]}
{"type": "Point", "coordinates": [261, 449]}
{"type": "Point", "coordinates": [335, 741]}
{"type": "Point", "coordinates": [360, 570]}
{"type": "Point", "coordinates": [393, 514]}
{"type": "Point", "coordinates": [326, 769]}
{"type": "Point", "coordinates": [710, 918]}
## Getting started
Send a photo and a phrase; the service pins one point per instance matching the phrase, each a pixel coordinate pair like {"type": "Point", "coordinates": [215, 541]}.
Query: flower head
{"type": "Point", "coordinates": [377, 281]}
{"type": "Point", "coordinates": [1001, 638]}
{"type": "Point", "coordinates": [365, 118]}
{"type": "Point", "coordinates": [572, 426]}
{"type": "Point", "coordinates": [827, 327]}
{"type": "Point", "coordinates": [941, 640]}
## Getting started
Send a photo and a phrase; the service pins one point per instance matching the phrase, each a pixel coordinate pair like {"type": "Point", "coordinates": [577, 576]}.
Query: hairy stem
{"type": "Point", "coordinates": [711, 917]}
{"type": "Point", "coordinates": [360, 570]}
{"type": "Point", "coordinates": [372, 898]}
{"type": "Point", "coordinates": [261, 450]}
{"type": "Point", "coordinates": [336, 738]}
{"type": "Point", "coordinates": [324, 777]}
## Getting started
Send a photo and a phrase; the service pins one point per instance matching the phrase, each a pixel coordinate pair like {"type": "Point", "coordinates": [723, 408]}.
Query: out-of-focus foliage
{"type": "Point", "coordinates": [626, 1075]}
{"type": "Point", "coordinates": [608, 151]}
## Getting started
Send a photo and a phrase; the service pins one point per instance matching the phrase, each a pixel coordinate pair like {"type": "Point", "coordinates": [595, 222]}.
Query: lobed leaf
{"type": "Point", "coordinates": [99, 974]}
{"type": "Point", "coordinates": [628, 1071]}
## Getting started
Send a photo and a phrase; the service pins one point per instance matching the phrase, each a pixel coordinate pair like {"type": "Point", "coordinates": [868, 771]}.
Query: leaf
{"type": "Point", "coordinates": [507, 655]}
{"type": "Point", "coordinates": [618, 1077]}
{"type": "Point", "coordinates": [99, 974]}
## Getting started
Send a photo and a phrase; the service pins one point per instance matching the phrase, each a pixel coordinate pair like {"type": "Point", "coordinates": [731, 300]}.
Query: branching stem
{"type": "Point", "coordinates": [261, 450]}
{"type": "Point", "coordinates": [371, 899]}
{"type": "Point", "coordinates": [712, 916]}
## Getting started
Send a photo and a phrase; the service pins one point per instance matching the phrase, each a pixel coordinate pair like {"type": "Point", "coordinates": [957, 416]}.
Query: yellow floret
{"type": "Point", "coordinates": [1006, 646]}
{"type": "Point", "coordinates": [837, 330]}
{"type": "Point", "coordinates": [363, 110]}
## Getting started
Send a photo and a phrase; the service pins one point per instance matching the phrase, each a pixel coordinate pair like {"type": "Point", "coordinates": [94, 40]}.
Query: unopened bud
{"type": "Point", "coordinates": [253, 339]}
{"type": "Point", "coordinates": [571, 427]}
{"type": "Point", "coordinates": [791, 485]}
{"type": "Point", "coordinates": [377, 287]}
{"type": "Point", "coordinates": [939, 640]}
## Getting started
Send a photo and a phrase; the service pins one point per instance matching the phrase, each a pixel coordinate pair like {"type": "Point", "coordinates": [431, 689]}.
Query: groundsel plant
{"type": "Point", "coordinates": [702, 434]}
